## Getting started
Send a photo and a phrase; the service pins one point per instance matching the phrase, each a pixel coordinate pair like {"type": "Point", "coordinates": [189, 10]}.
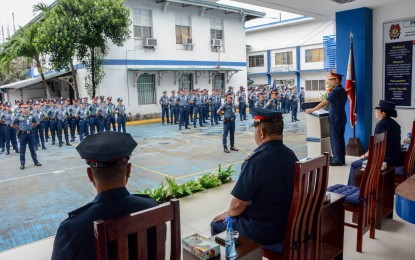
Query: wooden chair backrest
{"type": "Point", "coordinates": [137, 224]}
{"type": "Point", "coordinates": [409, 164]}
{"type": "Point", "coordinates": [370, 179]}
{"type": "Point", "coordinates": [302, 234]}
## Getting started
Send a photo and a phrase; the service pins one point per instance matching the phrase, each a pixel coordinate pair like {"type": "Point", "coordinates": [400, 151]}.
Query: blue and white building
{"type": "Point", "coordinates": [174, 44]}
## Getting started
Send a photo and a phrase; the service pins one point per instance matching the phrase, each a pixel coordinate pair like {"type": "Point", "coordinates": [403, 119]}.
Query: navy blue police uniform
{"type": "Point", "coordinates": [39, 130]}
{"type": "Point", "coordinates": [228, 124]}
{"type": "Point", "coordinates": [183, 111]}
{"type": "Point", "coordinates": [111, 116]}
{"type": "Point", "coordinates": [294, 105]}
{"type": "Point", "coordinates": [53, 123]}
{"type": "Point", "coordinates": [25, 124]}
{"type": "Point", "coordinates": [94, 120]}
{"type": "Point", "coordinates": [174, 108]}
{"type": "Point", "coordinates": [164, 102]}
{"type": "Point", "coordinates": [6, 118]}
{"type": "Point", "coordinates": [82, 114]}
{"type": "Point", "coordinates": [337, 119]}
{"type": "Point", "coordinates": [393, 154]}
{"type": "Point", "coordinates": [121, 115]}
{"type": "Point", "coordinates": [267, 188]}
{"type": "Point", "coordinates": [75, 235]}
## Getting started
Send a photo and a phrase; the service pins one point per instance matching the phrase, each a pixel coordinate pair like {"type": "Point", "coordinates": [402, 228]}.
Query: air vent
{"type": "Point", "coordinates": [343, 1]}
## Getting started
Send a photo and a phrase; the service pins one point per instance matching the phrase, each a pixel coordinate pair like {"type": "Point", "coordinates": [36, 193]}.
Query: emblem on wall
{"type": "Point", "coordinates": [395, 31]}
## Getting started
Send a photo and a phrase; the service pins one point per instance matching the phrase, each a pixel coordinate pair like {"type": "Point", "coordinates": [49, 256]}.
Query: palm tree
{"type": "Point", "coordinates": [22, 44]}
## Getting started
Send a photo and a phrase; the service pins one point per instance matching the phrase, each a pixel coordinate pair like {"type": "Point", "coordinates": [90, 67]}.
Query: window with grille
{"type": "Point", "coordinates": [284, 58]}
{"type": "Point", "coordinates": [182, 28]}
{"type": "Point", "coordinates": [315, 85]}
{"type": "Point", "coordinates": [256, 61]}
{"type": "Point", "coordinates": [218, 82]}
{"type": "Point", "coordinates": [314, 55]}
{"type": "Point", "coordinates": [146, 85]}
{"type": "Point", "coordinates": [186, 82]}
{"type": "Point", "coordinates": [142, 25]}
{"type": "Point", "coordinates": [216, 32]}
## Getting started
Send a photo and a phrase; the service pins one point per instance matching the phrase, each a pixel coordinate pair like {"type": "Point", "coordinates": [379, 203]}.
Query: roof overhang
{"type": "Point", "coordinates": [249, 14]}
{"type": "Point", "coordinates": [33, 81]}
{"type": "Point", "coordinates": [182, 69]}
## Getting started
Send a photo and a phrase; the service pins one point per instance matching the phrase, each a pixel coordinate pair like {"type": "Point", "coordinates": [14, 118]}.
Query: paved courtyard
{"type": "Point", "coordinates": [34, 201]}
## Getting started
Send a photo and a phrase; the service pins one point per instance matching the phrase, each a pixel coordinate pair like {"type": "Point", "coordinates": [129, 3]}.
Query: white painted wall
{"type": "Point", "coordinates": [120, 83]}
{"type": "Point", "coordinates": [381, 15]}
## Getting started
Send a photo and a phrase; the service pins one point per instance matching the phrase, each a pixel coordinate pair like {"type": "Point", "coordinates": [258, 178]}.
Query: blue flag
{"type": "Point", "coordinates": [274, 85]}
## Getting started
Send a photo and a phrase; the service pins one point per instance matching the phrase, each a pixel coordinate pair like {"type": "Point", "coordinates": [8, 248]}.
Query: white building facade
{"type": "Point", "coordinates": [290, 52]}
{"type": "Point", "coordinates": [174, 44]}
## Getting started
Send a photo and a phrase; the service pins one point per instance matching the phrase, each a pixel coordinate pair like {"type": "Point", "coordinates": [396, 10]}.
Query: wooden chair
{"type": "Point", "coordinates": [362, 201]}
{"type": "Point", "coordinates": [302, 233]}
{"type": "Point", "coordinates": [120, 230]}
{"type": "Point", "coordinates": [409, 164]}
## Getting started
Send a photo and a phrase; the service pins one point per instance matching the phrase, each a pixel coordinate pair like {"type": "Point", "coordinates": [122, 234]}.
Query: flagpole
{"type": "Point", "coordinates": [355, 86]}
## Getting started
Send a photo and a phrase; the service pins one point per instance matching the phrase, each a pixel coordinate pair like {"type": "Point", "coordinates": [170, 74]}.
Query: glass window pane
{"type": "Point", "coordinates": [322, 85]}
{"type": "Point", "coordinates": [146, 32]}
{"type": "Point", "coordinates": [137, 31]}
{"type": "Point", "coordinates": [178, 34]}
{"type": "Point", "coordinates": [146, 87]}
{"type": "Point", "coordinates": [185, 32]}
{"type": "Point", "coordinates": [308, 85]}
{"type": "Point", "coordinates": [314, 84]}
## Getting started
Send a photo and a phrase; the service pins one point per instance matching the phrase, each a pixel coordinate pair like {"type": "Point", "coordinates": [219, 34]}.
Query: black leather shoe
{"type": "Point", "coordinates": [68, 144]}
{"type": "Point", "coordinates": [297, 119]}
{"type": "Point", "coordinates": [8, 152]}
{"type": "Point", "coordinates": [60, 145]}
{"type": "Point", "coordinates": [187, 127]}
{"type": "Point", "coordinates": [17, 151]}
{"type": "Point", "coordinates": [336, 164]}
{"type": "Point", "coordinates": [226, 150]}
{"type": "Point", "coordinates": [202, 126]}
{"type": "Point", "coordinates": [180, 128]}
{"type": "Point", "coordinates": [44, 148]}
{"type": "Point", "coordinates": [38, 164]}
{"type": "Point", "coordinates": [194, 126]}
{"type": "Point", "coordinates": [21, 167]}
{"type": "Point", "coordinates": [53, 143]}
{"type": "Point", "coordinates": [234, 149]}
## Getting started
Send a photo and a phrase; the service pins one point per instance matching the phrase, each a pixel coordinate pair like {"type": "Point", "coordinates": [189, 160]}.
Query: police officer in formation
{"type": "Point", "coordinates": [174, 108]}
{"type": "Point", "coordinates": [302, 98]}
{"type": "Point", "coordinates": [198, 109]}
{"type": "Point", "coordinates": [182, 99]}
{"type": "Point", "coordinates": [61, 115]}
{"type": "Point", "coordinates": [2, 142]}
{"type": "Point", "coordinates": [6, 118]}
{"type": "Point", "coordinates": [294, 104]}
{"type": "Point", "coordinates": [164, 102]}
{"type": "Point", "coordinates": [242, 104]}
{"type": "Point", "coordinates": [120, 110]}
{"type": "Point", "coordinates": [228, 111]}
{"type": "Point", "coordinates": [273, 104]}
{"type": "Point", "coordinates": [53, 121]}
{"type": "Point", "coordinates": [25, 122]}
{"type": "Point", "coordinates": [82, 115]}
{"type": "Point", "coordinates": [39, 129]}
{"type": "Point", "coordinates": [111, 112]}
{"type": "Point", "coordinates": [74, 121]}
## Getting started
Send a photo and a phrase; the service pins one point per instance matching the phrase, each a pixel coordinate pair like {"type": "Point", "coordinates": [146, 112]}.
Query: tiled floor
{"type": "Point", "coordinates": [395, 241]}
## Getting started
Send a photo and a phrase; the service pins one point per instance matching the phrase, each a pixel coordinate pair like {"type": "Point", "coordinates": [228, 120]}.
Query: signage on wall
{"type": "Point", "coordinates": [399, 62]}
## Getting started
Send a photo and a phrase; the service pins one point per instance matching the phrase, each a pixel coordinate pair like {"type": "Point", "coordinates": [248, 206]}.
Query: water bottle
{"type": "Point", "coordinates": [230, 239]}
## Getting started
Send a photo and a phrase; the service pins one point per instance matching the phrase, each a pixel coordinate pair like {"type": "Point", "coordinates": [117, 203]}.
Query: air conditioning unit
{"type": "Point", "coordinates": [216, 42]}
{"type": "Point", "coordinates": [149, 42]}
{"type": "Point", "coordinates": [188, 41]}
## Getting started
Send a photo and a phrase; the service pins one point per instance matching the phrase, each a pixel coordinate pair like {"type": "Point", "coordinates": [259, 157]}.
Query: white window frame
{"type": "Point", "coordinates": [217, 24]}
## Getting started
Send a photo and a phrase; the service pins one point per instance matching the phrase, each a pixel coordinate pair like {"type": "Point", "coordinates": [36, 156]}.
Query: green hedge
{"type": "Point", "coordinates": [165, 192]}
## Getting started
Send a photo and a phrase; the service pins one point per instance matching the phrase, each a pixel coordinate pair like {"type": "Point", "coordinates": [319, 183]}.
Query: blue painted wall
{"type": "Point", "coordinates": [359, 22]}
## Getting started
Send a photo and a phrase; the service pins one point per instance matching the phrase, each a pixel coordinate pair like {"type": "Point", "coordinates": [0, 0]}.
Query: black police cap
{"type": "Point", "coordinates": [266, 115]}
{"type": "Point", "coordinates": [101, 150]}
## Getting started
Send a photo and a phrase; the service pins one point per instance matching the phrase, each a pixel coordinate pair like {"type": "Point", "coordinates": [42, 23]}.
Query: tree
{"type": "Point", "coordinates": [90, 25]}
{"type": "Point", "coordinates": [22, 44]}
{"type": "Point", "coordinates": [58, 36]}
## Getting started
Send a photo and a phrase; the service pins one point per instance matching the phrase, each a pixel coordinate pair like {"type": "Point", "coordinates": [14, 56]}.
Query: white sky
{"type": "Point", "coordinates": [23, 13]}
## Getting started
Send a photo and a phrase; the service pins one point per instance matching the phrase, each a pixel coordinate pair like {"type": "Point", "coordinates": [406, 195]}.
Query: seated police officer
{"type": "Point", "coordinates": [263, 193]}
{"type": "Point", "coordinates": [107, 155]}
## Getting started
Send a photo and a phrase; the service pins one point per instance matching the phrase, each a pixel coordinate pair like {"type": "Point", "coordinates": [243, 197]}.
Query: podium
{"type": "Point", "coordinates": [318, 133]}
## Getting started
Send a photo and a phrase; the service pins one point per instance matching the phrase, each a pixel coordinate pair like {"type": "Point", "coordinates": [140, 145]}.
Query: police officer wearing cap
{"type": "Point", "coordinates": [107, 155]}
{"type": "Point", "coordinates": [111, 113]}
{"type": "Point", "coordinates": [61, 116]}
{"type": "Point", "coordinates": [384, 112]}
{"type": "Point", "coordinates": [82, 115]}
{"type": "Point", "coordinates": [2, 138]}
{"type": "Point", "coordinates": [183, 110]}
{"type": "Point", "coordinates": [121, 115]}
{"type": "Point", "coordinates": [302, 98]}
{"type": "Point", "coordinates": [103, 114]}
{"type": "Point", "coordinates": [39, 130]}
{"type": "Point", "coordinates": [228, 110]}
{"type": "Point", "coordinates": [74, 123]}
{"type": "Point", "coordinates": [25, 123]}
{"type": "Point", "coordinates": [174, 108]}
{"type": "Point", "coordinates": [263, 193]}
{"type": "Point", "coordinates": [164, 102]}
{"type": "Point", "coordinates": [242, 104]}
{"type": "Point", "coordinates": [294, 104]}
{"type": "Point", "coordinates": [53, 121]}
{"type": "Point", "coordinates": [214, 100]}
{"type": "Point", "coordinates": [337, 98]}
{"type": "Point", "coordinates": [93, 120]}
{"type": "Point", "coordinates": [6, 118]}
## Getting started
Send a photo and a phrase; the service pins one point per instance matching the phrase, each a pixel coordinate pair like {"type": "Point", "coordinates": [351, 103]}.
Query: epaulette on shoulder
{"type": "Point", "coordinates": [79, 210]}
{"type": "Point", "coordinates": [254, 153]}
{"type": "Point", "coordinates": [142, 195]}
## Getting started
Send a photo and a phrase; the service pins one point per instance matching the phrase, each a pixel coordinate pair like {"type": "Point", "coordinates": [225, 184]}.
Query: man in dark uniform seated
{"type": "Point", "coordinates": [107, 155]}
{"type": "Point", "coordinates": [263, 193]}
{"type": "Point", "coordinates": [384, 112]}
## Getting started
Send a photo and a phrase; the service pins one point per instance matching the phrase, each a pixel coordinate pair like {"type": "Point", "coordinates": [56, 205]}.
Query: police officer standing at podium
{"type": "Point", "coordinates": [337, 117]}
{"type": "Point", "coordinates": [25, 123]}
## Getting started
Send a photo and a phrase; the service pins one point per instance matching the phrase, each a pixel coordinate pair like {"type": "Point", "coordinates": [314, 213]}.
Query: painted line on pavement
{"type": "Point", "coordinates": [43, 173]}
{"type": "Point", "coordinates": [156, 172]}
